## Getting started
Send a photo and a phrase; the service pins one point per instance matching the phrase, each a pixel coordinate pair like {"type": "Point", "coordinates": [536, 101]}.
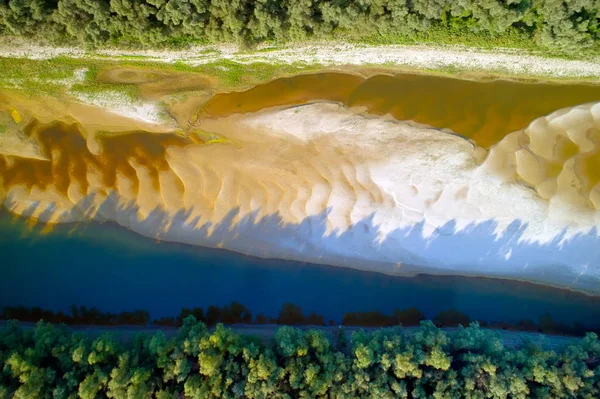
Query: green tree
{"type": "Point", "coordinates": [569, 25]}
{"type": "Point", "coordinates": [25, 17]}
{"type": "Point", "coordinates": [136, 22]}
{"type": "Point", "coordinates": [185, 17]}
{"type": "Point", "coordinates": [87, 21]}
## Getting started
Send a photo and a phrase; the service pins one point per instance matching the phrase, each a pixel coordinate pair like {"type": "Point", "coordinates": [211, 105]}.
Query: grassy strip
{"type": "Point", "coordinates": [56, 77]}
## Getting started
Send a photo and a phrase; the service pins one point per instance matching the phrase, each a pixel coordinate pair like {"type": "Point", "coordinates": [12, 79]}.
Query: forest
{"type": "Point", "coordinates": [569, 27]}
{"type": "Point", "coordinates": [52, 362]}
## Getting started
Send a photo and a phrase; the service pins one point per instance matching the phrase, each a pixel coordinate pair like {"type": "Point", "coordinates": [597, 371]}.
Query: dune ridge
{"type": "Point", "coordinates": [333, 176]}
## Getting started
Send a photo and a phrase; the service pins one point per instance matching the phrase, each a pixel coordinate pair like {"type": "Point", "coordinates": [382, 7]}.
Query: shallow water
{"type": "Point", "coordinates": [484, 111]}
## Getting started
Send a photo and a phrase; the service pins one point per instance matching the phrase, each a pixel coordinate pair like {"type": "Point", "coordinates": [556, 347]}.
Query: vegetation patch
{"type": "Point", "coordinates": [61, 76]}
{"type": "Point", "coordinates": [52, 361]}
{"type": "Point", "coordinates": [209, 138]}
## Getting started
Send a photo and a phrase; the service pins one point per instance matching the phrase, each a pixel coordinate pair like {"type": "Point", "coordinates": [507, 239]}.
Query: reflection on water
{"type": "Point", "coordinates": [482, 111]}
{"type": "Point", "coordinates": [114, 270]}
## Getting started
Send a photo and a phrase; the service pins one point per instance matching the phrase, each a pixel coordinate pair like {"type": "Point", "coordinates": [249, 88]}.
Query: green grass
{"type": "Point", "coordinates": [441, 35]}
{"type": "Point", "coordinates": [18, 68]}
{"type": "Point", "coordinates": [35, 77]}
{"type": "Point", "coordinates": [234, 75]}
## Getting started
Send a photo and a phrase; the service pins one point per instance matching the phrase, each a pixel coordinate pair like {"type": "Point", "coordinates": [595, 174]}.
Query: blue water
{"type": "Point", "coordinates": [115, 270]}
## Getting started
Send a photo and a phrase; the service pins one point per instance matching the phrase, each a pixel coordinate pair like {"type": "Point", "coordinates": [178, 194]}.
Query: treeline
{"type": "Point", "coordinates": [570, 26]}
{"type": "Point", "coordinates": [236, 313]}
{"type": "Point", "coordinates": [453, 318]}
{"type": "Point", "coordinates": [289, 315]}
{"type": "Point", "coordinates": [79, 315]}
{"type": "Point", "coordinates": [386, 364]}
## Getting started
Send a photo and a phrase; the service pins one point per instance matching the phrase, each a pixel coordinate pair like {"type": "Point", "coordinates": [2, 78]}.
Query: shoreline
{"type": "Point", "coordinates": [408, 275]}
{"type": "Point", "coordinates": [451, 60]}
{"type": "Point", "coordinates": [113, 226]}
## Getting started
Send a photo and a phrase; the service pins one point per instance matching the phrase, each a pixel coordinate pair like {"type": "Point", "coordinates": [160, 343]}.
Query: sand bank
{"type": "Point", "coordinates": [325, 183]}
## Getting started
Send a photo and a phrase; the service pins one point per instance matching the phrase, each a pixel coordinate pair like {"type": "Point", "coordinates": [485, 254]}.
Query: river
{"type": "Point", "coordinates": [113, 269]}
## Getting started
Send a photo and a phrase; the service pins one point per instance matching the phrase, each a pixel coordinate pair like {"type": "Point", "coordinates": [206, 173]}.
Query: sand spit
{"type": "Point", "coordinates": [507, 61]}
{"type": "Point", "coordinates": [328, 184]}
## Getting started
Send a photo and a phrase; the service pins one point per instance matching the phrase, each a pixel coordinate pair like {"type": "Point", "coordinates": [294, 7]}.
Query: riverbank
{"type": "Point", "coordinates": [324, 183]}
{"type": "Point", "coordinates": [452, 60]}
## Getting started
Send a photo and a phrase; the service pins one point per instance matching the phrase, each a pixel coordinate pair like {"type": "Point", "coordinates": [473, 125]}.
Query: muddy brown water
{"type": "Point", "coordinates": [484, 111]}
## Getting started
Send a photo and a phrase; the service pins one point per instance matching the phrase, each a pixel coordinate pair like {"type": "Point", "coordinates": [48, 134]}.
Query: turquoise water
{"type": "Point", "coordinates": [108, 267]}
